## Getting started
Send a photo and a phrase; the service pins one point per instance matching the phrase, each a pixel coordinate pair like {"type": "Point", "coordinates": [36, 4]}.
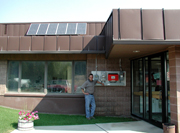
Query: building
{"type": "Point", "coordinates": [135, 53]}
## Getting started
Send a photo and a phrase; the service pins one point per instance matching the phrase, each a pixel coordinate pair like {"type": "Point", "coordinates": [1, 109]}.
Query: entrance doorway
{"type": "Point", "coordinates": [150, 88]}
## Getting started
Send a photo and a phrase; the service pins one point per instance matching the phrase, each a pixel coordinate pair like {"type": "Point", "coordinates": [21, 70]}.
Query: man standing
{"type": "Point", "coordinates": [89, 96]}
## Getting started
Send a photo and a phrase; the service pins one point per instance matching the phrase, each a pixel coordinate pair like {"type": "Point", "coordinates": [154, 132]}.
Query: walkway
{"type": "Point", "coordinates": [120, 127]}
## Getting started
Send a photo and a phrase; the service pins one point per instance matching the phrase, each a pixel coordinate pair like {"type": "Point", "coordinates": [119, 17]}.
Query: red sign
{"type": "Point", "coordinates": [113, 77]}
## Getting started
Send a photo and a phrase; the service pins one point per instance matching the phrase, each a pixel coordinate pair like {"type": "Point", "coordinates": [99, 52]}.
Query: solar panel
{"type": "Point", "coordinates": [52, 29]}
{"type": "Point", "coordinates": [61, 28]}
{"type": "Point", "coordinates": [33, 29]}
{"type": "Point", "coordinates": [81, 28]}
{"type": "Point", "coordinates": [42, 29]}
{"type": "Point", "coordinates": [71, 28]}
{"type": "Point", "coordinates": [57, 29]}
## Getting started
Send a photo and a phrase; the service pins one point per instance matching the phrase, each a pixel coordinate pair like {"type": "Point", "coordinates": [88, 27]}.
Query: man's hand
{"type": "Point", "coordinates": [86, 93]}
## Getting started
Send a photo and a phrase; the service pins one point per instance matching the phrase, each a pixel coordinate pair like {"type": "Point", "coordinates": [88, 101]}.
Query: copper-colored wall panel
{"type": "Point", "coordinates": [152, 24]}
{"type": "Point", "coordinates": [101, 43]}
{"type": "Point", "coordinates": [50, 43]}
{"type": "Point", "coordinates": [16, 30]}
{"type": "Point", "coordinates": [98, 28]}
{"type": "Point", "coordinates": [62, 43]}
{"type": "Point", "coordinates": [25, 43]}
{"type": "Point", "coordinates": [3, 43]}
{"type": "Point", "coordinates": [76, 43]}
{"type": "Point", "coordinates": [1, 29]}
{"type": "Point", "coordinates": [13, 43]}
{"type": "Point", "coordinates": [172, 24]}
{"type": "Point", "coordinates": [130, 24]}
{"type": "Point", "coordinates": [37, 43]}
{"type": "Point", "coordinates": [92, 30]}
{"type": "Point", "coordinates": [87, 29]}
{"type": "Point", "coordinates": [102, 25]}
{"type": "Point", "coordinates": [89, 43]}
{"type": "Point", "coordinates": [23, 29]}
{"type": "Point", "coordinates": [115, 24]}
{"type": "Point", "coordinates": [10, 30]}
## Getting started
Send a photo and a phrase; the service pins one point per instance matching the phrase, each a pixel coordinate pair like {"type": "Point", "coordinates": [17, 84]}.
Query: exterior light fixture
{"type": "Point", "coordinates": [136, 51]}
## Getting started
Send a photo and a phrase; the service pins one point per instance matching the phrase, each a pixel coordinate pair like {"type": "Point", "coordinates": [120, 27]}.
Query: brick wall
{"type": "Point", "coordinates": [3, 72]}
{"type": "Point", "coordinates": [111, 100]}
{"type": "Point", "coordinates": [174, 70]}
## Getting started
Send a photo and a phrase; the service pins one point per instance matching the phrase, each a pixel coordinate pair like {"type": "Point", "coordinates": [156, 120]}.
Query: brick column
{"type": "Point", "coordinates": [174, 70]}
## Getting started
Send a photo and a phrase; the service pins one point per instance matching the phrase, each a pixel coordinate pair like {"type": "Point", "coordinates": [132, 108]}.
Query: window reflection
{"type": "Point", "coordinates": [59, 77]}
{"type": "Point", "coordinates": [13, 74]}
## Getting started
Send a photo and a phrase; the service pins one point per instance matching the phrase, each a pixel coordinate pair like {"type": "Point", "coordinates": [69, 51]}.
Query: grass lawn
{"type": "Point", "coordinates": [9, 119]}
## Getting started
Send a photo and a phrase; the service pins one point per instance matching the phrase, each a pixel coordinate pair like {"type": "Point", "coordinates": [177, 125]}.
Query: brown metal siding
{"type": "Point", "coordinates": [92, 30]}
{"type": "Point", "coordinates": [76, 43]}
{"type": "Point", "coordinates": [101, 42]}
{"type": "Point", "coordinates": [16, 30]}
{"type": "Point", "coordinates": [50, 43]}
{"type": "Point", "coordinates": [25, 43]}
{"type": "Point", "coordinates": [115, 24]}
{"type": "Point", "coordinates": [37, 43]}
{"type": "Point", "coordinates": [152, 24]}
{"type": "Point", "coordinates": [98, 28]}
{"type": "Point", "coordinates": [10, 30]}
{"type": "Point", "coordinates": [130, 24]}
{"type": "Point", "coordinates": [13, 43]}
{"type": "Point", "coordinates": [88, 40]}
{"type": "Point", "coordinates": [1, 29]}
{"type": "Point", "coordinates": [3, 43]}
{"type": "Point", "coordinates": [172, 24]}
{"type": "Point", "coordinates": [62, 43]}
{"type": "Point", "coordinates": [23, 29]}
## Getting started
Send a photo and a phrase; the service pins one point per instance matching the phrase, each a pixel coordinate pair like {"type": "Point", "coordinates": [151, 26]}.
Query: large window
{"type": "Point", "coordinates": [46, 76]}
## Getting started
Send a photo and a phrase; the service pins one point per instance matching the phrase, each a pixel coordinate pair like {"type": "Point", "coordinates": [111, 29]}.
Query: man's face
{"type": "Point", "coordinates": [91, 77]}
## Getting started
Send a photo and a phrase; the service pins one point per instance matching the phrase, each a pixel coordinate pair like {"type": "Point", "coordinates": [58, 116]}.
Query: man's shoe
{"type": "Point", "coordinates": [88, 118]}
{"type": "Point", "coordinates": [92, 117]}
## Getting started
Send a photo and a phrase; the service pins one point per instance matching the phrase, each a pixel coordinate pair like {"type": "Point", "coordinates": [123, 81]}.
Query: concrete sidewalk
{"type": "Point", "coordinates": [120, 127]}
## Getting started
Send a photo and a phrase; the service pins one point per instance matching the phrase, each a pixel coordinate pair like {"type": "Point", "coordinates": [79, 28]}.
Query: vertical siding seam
{"type": "Point", "coordinates": [119, 32]}
{"type": "Point", "coordinates": [163, 19]}
{"type": "Point", "coordinates": [82, 42]}
{"type": "Point", "coordinates": [141, 24]}
{"type": "Point", "coordinates": [69, 42]}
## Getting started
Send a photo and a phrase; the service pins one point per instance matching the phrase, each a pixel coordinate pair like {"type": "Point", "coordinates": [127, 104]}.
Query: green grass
{"type": "Point", "coordinates": [9, 119]}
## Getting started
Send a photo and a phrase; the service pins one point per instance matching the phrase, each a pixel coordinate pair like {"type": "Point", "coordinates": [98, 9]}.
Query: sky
{"type": "Point", "coordinates": [15, 11]}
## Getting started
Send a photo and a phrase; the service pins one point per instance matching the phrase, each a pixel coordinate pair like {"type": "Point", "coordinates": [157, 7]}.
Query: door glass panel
{"type": "Point", "coordinates": [168, 89]}
{"type": "Point", "coordinates": [138, 88]}
{"type": "Point", "coordinates": [156, 88]}
{"type": "Point", "coordinates": [146, 89]}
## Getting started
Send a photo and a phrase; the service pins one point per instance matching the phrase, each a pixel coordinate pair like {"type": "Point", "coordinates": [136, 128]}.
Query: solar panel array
{"type": "Point", "coordinates": [57, 29]}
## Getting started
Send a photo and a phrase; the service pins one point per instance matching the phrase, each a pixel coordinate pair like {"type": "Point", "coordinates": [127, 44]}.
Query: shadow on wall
{"type": "Point", "coordinates": [60, 104]}
{"type": "Point", "coordinates": [94, 43]}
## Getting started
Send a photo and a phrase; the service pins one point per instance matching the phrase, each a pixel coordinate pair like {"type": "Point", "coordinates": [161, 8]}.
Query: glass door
{"type": "Point", "coordinates": [156, 88]}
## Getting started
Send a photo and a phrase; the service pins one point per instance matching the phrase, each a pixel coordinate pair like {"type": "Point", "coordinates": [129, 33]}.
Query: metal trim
{"type": "Point", "coordinates": [162, 42]}
{"type": "Point", "coordinates": [53, 52]}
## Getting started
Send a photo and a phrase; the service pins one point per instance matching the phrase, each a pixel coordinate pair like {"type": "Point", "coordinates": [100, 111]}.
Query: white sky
{"type": "Point", "coordinates": [72, 10]}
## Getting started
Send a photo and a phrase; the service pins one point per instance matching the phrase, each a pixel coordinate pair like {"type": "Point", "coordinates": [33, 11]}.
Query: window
{"type": "Point", "coordinates": [32, 79]}
{"type": "Point", "coordinates": [13, 76]}
{"type": "Point", "coordinates": [59, 77]}
{"type": "Point", "coordinates": [37, 76]}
